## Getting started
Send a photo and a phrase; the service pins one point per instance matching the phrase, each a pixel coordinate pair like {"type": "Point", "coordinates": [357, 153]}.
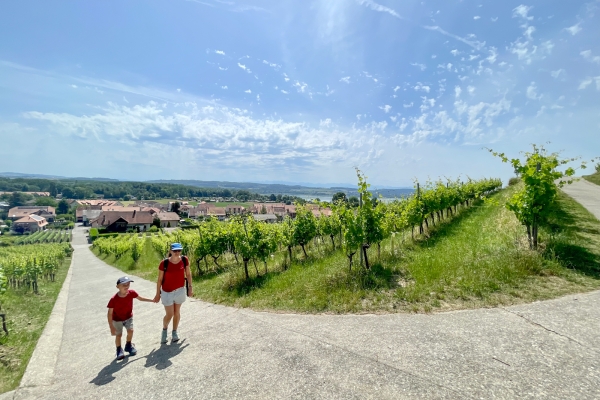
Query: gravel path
{"type": "Point", "coordinates": [542, 350]}
{"type": "Point", "coordinates": [586, 193]}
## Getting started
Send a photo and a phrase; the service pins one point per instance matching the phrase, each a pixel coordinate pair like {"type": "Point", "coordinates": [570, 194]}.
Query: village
{"type": "Point", "coordinates": [111, 216]}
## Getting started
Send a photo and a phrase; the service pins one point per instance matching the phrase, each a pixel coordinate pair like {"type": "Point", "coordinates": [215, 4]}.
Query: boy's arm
{"type": "Point", "coordinates": [110, 324]}
{"type": "Point", "coordinates": [140, 298]}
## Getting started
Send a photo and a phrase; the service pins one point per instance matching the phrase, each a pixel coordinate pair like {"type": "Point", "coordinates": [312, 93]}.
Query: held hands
{"type": "Point", "coordinates": [156, 298]}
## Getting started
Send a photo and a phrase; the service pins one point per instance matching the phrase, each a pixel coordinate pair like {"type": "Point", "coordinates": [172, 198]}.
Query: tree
{"type": "Point", "coordinates": [45, 201]}
{"type": "Point", "coordinates": [339, 197]}
{"type": "Point", "coordinates": [17, 199]}
{"type": "Point", "coordinates": [263, 209]}
{"type": "Point", "coordinates": [63, 207]}
{"type": "Point", "coordinates": [175, 207]}
{"type": "Point", "coordinates": [353, 201]}
{"type": "Point", "coordinates": [272, 197]}
{"type": "Point", "coordinates": [156, 222]}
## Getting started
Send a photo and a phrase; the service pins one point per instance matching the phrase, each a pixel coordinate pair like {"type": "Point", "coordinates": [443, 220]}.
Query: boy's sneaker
{"type": "Point", "coordinates": [163, 336]}
{"type": "Point", "coordinates": [120, 354]}
{"type": "Point", "coordinates": [130, 348]}
{"type": "Point", "coordinates": [174, 337]}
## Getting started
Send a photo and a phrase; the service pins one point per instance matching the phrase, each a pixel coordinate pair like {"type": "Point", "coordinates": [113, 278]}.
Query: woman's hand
{"type": "Point", "coordinates": [190, 291]}
{"type": "Point", "coordinates": [156, 298]}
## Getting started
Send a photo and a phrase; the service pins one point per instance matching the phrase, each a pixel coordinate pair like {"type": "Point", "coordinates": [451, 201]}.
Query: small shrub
{"type": "Point", "coordinates": [513, 181]}
{"type": "Point", "coordinates": [153, 229]}
{"type": "Point", "coordinates": [598, 167]}
{"type": "Point", "coordinates": [93, 234]}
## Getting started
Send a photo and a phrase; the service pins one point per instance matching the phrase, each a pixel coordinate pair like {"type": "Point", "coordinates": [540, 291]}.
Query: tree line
{"type": "Point", "coordinates": [75, 189]}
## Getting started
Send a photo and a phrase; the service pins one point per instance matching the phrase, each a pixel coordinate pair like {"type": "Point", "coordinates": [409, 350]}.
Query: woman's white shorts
{"type": "Point", "coordinates": [177, 296]}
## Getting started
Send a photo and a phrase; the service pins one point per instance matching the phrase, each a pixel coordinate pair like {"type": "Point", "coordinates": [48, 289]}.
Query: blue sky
{"type": "Point", "coordinates": [296, 91]}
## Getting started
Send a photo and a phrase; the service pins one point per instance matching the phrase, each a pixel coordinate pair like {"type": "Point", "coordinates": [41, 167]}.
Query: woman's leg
{"type": "Point", "coordinates": [169, 316]}
{"type": "Point", "coordinates": [176, 315]}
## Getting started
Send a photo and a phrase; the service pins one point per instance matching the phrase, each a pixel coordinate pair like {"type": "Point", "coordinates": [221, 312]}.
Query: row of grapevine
{"type": "Point", "coordinates": [22, 266]}
{"type": "Point", "coordinates": [47, 236]}
{"type": "Point", "coordinates": [355, 229]}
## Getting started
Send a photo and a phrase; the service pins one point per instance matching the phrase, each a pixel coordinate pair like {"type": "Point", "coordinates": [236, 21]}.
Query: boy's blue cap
{"type": "Point", "coordinates": [176, 246]}
{"type": "Point", "coordinates": [124, 279]}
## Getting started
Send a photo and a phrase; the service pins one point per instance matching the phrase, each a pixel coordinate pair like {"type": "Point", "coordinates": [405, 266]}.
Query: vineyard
{"type": "Point", "coordinates": [23, 267]}
{"type": "Point", "coordinates": [47, 236]}
{"type": "Point", "coordinates": [354, 230]}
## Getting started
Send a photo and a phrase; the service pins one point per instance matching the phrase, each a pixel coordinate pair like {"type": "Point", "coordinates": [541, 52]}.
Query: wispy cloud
{"type": "Point", "coordinates": [575, 29]}
{"type": "Point", "coordinates": [345, 79]}
{"type": "Point", "coordinates": [221, 52]}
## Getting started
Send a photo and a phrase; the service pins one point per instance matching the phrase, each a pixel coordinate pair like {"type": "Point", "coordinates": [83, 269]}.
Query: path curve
{"type": "Point", "coordinates": [546, 349]}
{"type": "Point", "coordinates": [586, 193]}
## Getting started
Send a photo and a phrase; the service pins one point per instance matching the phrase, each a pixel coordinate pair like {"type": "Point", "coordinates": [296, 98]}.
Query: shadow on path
{"type": "Point", "coordinates": [161, 358]}
{"type": "Point", "coordinates": [106, 374]}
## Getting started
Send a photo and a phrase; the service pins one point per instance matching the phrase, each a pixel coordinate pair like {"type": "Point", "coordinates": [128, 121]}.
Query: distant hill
{"type": "Point", "coordinates": [293, 190]}
{"type": "Point", "coordinates": [56, 177]}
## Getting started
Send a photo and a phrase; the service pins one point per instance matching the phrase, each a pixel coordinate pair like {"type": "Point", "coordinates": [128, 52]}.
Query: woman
{"type": "Point", "coordinates": [171, 288]}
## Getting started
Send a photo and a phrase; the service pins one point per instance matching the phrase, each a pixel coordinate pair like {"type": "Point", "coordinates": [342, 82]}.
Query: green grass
{"type": "Point", "coordinates": [477, 259]}
{"type": "Point", "coordinates": [594, 178]}
{"type": "Point", "coordinates": [26, 316]}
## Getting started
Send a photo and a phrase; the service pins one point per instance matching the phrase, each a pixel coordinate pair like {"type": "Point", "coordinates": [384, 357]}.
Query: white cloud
{"type": "Point", "coordinates": [471, 90]}
{"type": "Point", "coordinates": [476, 17]}
{"type": "Point", "coordinates": [386, 108]}
{"type": "Point", "coordinates": [422, 87]}
{"type": "Point", "coordinates": [397, 88]}
{"type": "Point", "coordinates": [522, 11]}
{"type": "Point", "coordinates": [300, 86]}
{"type": "Point", "coordinates": [221, 52]}
{"type": "Point", "coordinates": [248, 91]}
{"type": "Point", "coordinates": [224, 87]}
{"type": "Point", "coordinates": [587, 54]}
{"type": "Point", "coordinates": [258, 97]}
{"type": "Point", "coordinates": [74, 86]}
{"type": "Point", "coordinates": [345, 79]}
{"type": "Point", "coordinates": [557, 73]}
{"type": "Point", "coordinates": [532, 92]}
{"type": "Point", "coordinates": [575, 29]}
{"type": "Point", "coordinates": [457, 91]}
{"type": "Point", "coordinates": [284, 91]}
{"type": "Point", "coordinates": [223, 69]}
{"type": "Point", "coordinates": [422, 67]}
{"type": "Point", "coordinates": [272, 65]}
{"type": "Point", "coordinates": [588, 81]}
{"type": "Point", "coordinates": [242, 66]}
{"type": "Point", "coordinates": [585, 83]}
{"type": "Point", "coordinates": [178, 90]}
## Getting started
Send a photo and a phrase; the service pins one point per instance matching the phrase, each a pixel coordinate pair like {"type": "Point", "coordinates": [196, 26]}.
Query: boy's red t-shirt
{"type": "Point", "coordinates": [174, 277]}
{"type": "Point", "coordinates": [122, 306]}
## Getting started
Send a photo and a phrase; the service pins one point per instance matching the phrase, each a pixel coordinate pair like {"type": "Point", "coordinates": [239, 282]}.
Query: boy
{"type": "Point", "coordinates": [120, 314]}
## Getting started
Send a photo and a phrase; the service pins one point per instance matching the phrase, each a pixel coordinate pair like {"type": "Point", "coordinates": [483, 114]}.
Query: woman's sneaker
{"type": "Point", "coordinates": [130, 348]}
{"type": "Point", "coordinates": [120, 354]}
{"type": "Point", "coordinates": [163, 336]}
{"type": "Point", "coordinates": [174, 337]}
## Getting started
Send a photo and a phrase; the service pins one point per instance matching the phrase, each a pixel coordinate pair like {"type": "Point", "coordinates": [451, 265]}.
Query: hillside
{"type": "Point", "coordinates": [594, 178]}
{"type": "Point", "coordinates": [476, 258]}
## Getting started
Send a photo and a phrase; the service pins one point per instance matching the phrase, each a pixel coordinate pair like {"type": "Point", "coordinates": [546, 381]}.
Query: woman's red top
{"type": "Point", "coordinates": [174, 277]}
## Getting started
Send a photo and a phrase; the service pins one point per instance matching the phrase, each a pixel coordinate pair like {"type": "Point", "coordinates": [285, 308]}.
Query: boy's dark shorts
{"type": "Point", "coordinates": [128, 324]}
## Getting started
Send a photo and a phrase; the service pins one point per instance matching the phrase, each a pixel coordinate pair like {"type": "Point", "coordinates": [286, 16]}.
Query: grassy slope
{"type": "Point", "coordinates": [480, 258]}
{"type": "Point", "coordinates": [594, 178]}
{"type": "Point", "coordinates": [26, 316]}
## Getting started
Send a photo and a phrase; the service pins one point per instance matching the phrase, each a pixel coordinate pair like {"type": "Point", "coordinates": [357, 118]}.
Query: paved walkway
{"type": "Point", "coordinates": [547, 349]}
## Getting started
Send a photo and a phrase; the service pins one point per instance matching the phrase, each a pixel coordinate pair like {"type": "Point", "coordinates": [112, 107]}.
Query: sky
{"type": "Point", "coordinates": [295, 90]}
